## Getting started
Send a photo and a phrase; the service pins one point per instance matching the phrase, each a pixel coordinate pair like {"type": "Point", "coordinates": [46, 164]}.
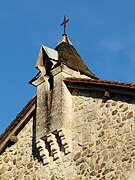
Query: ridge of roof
{"type": "Point", "coordinates": [70, 57]}
{"type": "Point", "coordinates": [65, 39]}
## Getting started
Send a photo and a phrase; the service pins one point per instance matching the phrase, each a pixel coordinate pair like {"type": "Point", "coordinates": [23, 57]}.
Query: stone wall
{"type": "Point", "coordinates": [17, 161]}
{"type": "Point", "coordinates": [105, 132]}
{"type": "Point", "coordinates": [103, 145]}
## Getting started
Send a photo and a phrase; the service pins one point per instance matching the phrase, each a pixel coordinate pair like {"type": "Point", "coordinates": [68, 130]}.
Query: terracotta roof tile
{"type": "Point", "coordinates": [101, 82]}
{"type": "Point", "coordinates": [16, 121]}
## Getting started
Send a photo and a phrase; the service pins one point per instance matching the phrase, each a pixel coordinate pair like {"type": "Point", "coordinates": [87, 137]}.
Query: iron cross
{"type": "Point", "coordinates": [64, 23]}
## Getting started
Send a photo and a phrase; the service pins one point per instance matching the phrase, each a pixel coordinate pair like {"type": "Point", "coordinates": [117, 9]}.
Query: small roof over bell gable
{"type": "Point", "coordinates": [68, 55]}
{"type": "Point", "coordinates": [64, 53]}
{"type": "Point", "coordinates": [45, 53]}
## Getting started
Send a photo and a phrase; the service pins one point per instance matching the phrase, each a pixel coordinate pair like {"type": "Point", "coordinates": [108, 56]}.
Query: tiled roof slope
{"type": "Point", "coordinates": [100, 82]}
{"type": "Point", "coordinates": [70, 57]}
{"type": "Point", "coordinates": [102, 85]}
{"type": "Point", "coordinates": [18, 123]}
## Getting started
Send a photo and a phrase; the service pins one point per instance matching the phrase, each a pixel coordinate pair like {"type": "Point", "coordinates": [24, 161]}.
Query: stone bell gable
{"type": "Point", "coordinates": [54, 100]}
{"type": "Point", "coordinates": [76, 127]}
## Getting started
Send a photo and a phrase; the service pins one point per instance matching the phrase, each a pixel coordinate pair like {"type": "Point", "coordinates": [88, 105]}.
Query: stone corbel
{"type": "Point", "coordinates": [55, 151]}
{"type": "Point", "coordinates": [63, 134]}
{"type": "Point", "coordinates": [13, 138]}
{"type": "Point", "coordinates": [106, 96]}
{"type": "Point", "coordinates": [43, 151]}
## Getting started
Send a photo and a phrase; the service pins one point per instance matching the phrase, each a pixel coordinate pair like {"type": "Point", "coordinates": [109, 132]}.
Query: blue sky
{"type": "Point", "coordinates": [103, 32]}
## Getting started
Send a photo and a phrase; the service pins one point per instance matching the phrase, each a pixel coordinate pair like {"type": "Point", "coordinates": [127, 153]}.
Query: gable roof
{"type": "Point", "coordinates": [101, 82]}
{"type": "Point", "coordinates": [18, 123]}
{"type": "Point", "coordinates": [82, 83]}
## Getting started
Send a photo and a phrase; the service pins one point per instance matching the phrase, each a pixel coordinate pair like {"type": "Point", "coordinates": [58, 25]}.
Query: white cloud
{"type": "Point", "coordinates": [113, 46]}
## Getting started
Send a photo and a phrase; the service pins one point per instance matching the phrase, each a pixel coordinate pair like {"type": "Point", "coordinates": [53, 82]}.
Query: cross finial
{"type": "Point", "coordinates": [64, 23]}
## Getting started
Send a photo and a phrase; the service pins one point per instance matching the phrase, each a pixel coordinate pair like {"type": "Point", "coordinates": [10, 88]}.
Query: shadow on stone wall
{"type": "Point", "coordinates": [35, 150]}
{"type": "Point", "coordinates": [114, 96]}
